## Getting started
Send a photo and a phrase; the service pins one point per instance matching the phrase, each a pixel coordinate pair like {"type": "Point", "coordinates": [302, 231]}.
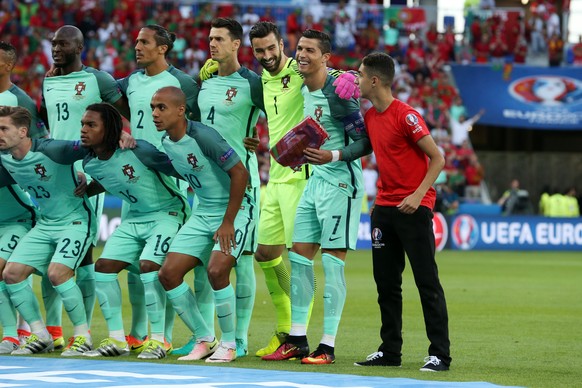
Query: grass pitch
{"type": "Point", "coordinates": [514, 320]}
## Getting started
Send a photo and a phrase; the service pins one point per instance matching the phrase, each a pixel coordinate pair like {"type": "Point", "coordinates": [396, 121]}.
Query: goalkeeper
{"type": "Point", "coordinates": [283, 102]}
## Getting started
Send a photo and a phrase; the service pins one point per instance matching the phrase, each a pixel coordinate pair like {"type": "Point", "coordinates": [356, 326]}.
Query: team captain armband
{"type": "Point", "coordinates": [354, 122]}
{"type": "Point", "coordinates": [307, 134]}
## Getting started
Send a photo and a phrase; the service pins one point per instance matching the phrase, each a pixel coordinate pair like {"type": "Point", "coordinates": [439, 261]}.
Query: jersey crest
{"type": "Point", "coordinates": [230, 94]}
{"type": "Point", "coordinates": [318, 112]}
{"type": "Point", "coordinates": [79, 89]}
{"type": "Point", "coordinates": [129, 172]}
{"type": "Point", "coordinates": [41, 170]}
{"type": "Point", "coordinates": [193, 161]}
{"type": "Point", "coordinates": [285, 81]}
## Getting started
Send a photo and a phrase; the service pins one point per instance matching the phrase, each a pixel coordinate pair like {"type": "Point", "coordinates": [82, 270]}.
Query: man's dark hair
{"type": "Point", "coordinates": [9, 52]}
{"type": "Point", "coordinates": [322, 37]}
{"type": "Point", "coordinates": [111, 122]}
{"type": "Point", "coordinates": [19, 116]}
{"type": "Point", "coordinates": [234, 28]}
{"type": "Point", "coordinates": [262, 29]}
{"type": "Point", "coordinates": [162, 37]}
{"type": "Point", "coordinates": [381, 65]}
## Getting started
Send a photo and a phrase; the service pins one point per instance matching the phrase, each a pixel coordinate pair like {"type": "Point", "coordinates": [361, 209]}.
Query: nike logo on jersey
{"type": "Point", "coordinates": [130, 93]}
{"type": "Point", "coordinates": [99, 178]}
{"type": "Point", "coordinates": [49, 89]}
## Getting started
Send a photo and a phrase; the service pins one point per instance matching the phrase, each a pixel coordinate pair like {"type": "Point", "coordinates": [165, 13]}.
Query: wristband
{"type": "Point", "coordinates": [335, 156]}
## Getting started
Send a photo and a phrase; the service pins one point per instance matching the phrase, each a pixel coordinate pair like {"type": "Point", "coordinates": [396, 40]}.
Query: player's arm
{"type": "Point", "coordinates": [239, 177]}
{"type": "Point", "coordinates": [92, 189]}
{"type": "Point", "coordinates": [5, 178]}
{"type": "Point", "coordinates": [155, 159]}
{"type": "Point", "coordinates": [62, 151]}
{"type": "Point", "coordinates": [361, 145]}
{"type": "Point", "coordinates": [435, 165]}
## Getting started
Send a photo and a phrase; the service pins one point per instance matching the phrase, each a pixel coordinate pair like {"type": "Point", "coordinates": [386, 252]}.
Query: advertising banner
{"type": "Point", "coordinates": [522, 96]}
{"type": "Point", "coordinates": [515, 233]}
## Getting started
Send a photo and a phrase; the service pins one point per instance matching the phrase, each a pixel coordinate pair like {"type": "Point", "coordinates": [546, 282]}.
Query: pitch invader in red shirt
{"type": "Point", "coordinates": [409, 162]}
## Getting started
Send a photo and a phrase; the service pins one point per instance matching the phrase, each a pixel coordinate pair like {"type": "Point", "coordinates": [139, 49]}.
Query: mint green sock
{"type": "Point", "coordinates": [302, 288]}
{"type": "Point", "coordinates": [155, 298]}
{"type": "Point", "coordinates": [139, 316]}
{"type": "Point", "coordinates": [24, 300]}
{"type": "Point", "coordinates": [334, 293]}
{"type": "Point", "coordinates": [73, 301]}
{"type": "Point", "coordinates": [86, 282]}
{"type": "Point", "coordinates": [170, 318]}
{"type": "Point", "coordinates": [204, 297]}
{"type": "Point", "coordinates": [53, 305]}
{"type": "Point", "coordinates": [184, 303]}
{"type": "Point", "coordinates": [109, 295]}
{"type": "Point", "coordinates": [7, 313]}
{"type": "Point", "coordinates": [225, 301]}
{"type": "Point", "coordinates": [246, 288]}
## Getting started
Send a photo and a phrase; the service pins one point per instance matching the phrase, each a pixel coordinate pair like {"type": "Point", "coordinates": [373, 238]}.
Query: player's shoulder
{"type": "Point", "coordinates": [248, 74]}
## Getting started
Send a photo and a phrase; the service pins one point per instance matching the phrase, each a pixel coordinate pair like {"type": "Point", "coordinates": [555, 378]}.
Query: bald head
{"type": "Point", "coordinates": [172, 95]}
{"type": "Point", "coordinates": [70, 33]}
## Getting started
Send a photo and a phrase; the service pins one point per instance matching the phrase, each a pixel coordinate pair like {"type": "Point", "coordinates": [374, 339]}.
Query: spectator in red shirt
{"type": "Point", "coordinates": [431, 34]}
{"type": "Point", "coordinates": [409, 162]}
{"type": "Point", "coordinates": [577, 51]}
{"type": "Point", "coordinates": [520, 52]}
{"type": "Point", "coordinates": [482, 49]}
{"type": "Point", "coordinates": [555, 50]}
{"type": "Point", "coordinates": [497, 47]}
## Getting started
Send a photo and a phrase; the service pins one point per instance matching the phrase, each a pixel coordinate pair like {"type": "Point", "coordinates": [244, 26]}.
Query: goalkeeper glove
{"type": "Point", "coordinates": [210, 67]}
{"type": "Point", "coordinates": [345, 87]}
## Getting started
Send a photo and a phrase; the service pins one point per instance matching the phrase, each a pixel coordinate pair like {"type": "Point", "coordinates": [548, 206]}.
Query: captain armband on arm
{"type": "Point", "coordinates": [356, 130]}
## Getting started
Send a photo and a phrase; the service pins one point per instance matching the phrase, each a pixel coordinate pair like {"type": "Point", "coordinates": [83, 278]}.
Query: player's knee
{"type": "Point", "coordinates": [146, 266]}
{"type": "Point", "coordinates": [167, 279]}
{"type": "Point", "coordinates": [218, 276]}
{"type": "Point", "coordinates": [58, 274]}
{"type": "Point", "coordinates": [12, 275]}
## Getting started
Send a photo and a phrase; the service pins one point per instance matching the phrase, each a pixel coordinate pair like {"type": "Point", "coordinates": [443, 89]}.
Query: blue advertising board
{"type": "Point", "coordinates": [522, 96]}
{"type": "Point", "coordinates": [482, 232]}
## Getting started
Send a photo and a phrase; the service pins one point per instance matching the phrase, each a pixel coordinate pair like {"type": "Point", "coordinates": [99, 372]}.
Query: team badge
{"type": "Point", "coordinates": [193, 161]}
{"type": "Point", "coordinates": [285, 81]}
{"type": "Point", "coordinates": [41, 170]}
{"type": "Point", "coordinates": [318, 113]}
{"type": "Point", "coordinates": [79, 89]}
{"type": "Point", "coordinates": [547, 90]}
{"type": "Point", "coordinates": [129, 172]}
{"type": "Point", "coordinates": [230, 94]}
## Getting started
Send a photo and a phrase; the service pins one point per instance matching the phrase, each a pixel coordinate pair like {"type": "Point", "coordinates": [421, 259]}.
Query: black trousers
{"type": "Point", "coordinates": [393, 235]}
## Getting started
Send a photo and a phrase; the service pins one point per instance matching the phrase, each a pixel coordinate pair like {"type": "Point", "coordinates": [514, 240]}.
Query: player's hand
{"type": "Point", "coordinates": [81, 188]}
{"type": "Point", "coordinates": [251, 143]}
{"type": "Point", "coordinates": [225, 237]}
{"type": "Point", "coordinates": [126, 141]}
{"type": "Point", "coordinates": [53, 72]}
{"type": "Point", "coordinates": [315, 156]}
{"type": "Point", "coordinates": [345, 86]}
{"type": "Point", "coordinates": [409, 204]}
{"type": "Point", "coordinates": [206, 71]}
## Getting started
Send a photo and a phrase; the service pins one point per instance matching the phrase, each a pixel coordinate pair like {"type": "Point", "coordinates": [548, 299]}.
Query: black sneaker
{"type": "Point", "coordinates": [434, 364]}
{"type": "Point", "coordinates": [377, 359]}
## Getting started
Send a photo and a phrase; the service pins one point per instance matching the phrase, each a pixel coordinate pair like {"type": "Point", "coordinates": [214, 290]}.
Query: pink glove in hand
{"type": "Point", "coordinates": [345, 87]}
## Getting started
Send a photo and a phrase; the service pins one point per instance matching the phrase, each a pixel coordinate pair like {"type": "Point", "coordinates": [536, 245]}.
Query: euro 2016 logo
{"type": "Point", "coordinates": [377, 238]}
{"type": "Point", "coordinates": [547, 90]}
{"type": "Point", "coordinates": [285, 81]}
{"type": "Point", "coordinates": [129, 172]}
{"type": "Point", "coordinates": [230, 94]}
{"type": "Point", "coordinates": [465, 232]}
{"type": "Point", "coordinates": [79, 89]}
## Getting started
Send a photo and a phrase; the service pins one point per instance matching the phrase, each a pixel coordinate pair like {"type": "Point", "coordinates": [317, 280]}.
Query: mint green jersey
{"type": "Point", "coordinates": [16, 204]}
{"type": "Point", "coordinates": [284, 109]}
{"type": "Point", "coordinates": [337, 117]}
{"type": "Point", "coordinates": [231, 105]}
{"type": "Point", "coordinates": [142, 177]}
{"type": "Point", "coordinates": [139, 88]}
{"type": "Point", "coordinates": [15, 96]}
{"type": "Point", "coordinates": [203, 157]}
{"type": "Point", "coordinates": [47, 174]}
{"type": "Point", "coordinates": [66, 97]}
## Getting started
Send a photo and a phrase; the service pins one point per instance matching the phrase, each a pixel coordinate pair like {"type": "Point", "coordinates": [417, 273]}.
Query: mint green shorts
{"type": "Point", "coordinates": [135, 241]}
{"type": "Point", "coordinates": [327, 216]}
{"type": "Point", "coordinates": [10, 234]}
